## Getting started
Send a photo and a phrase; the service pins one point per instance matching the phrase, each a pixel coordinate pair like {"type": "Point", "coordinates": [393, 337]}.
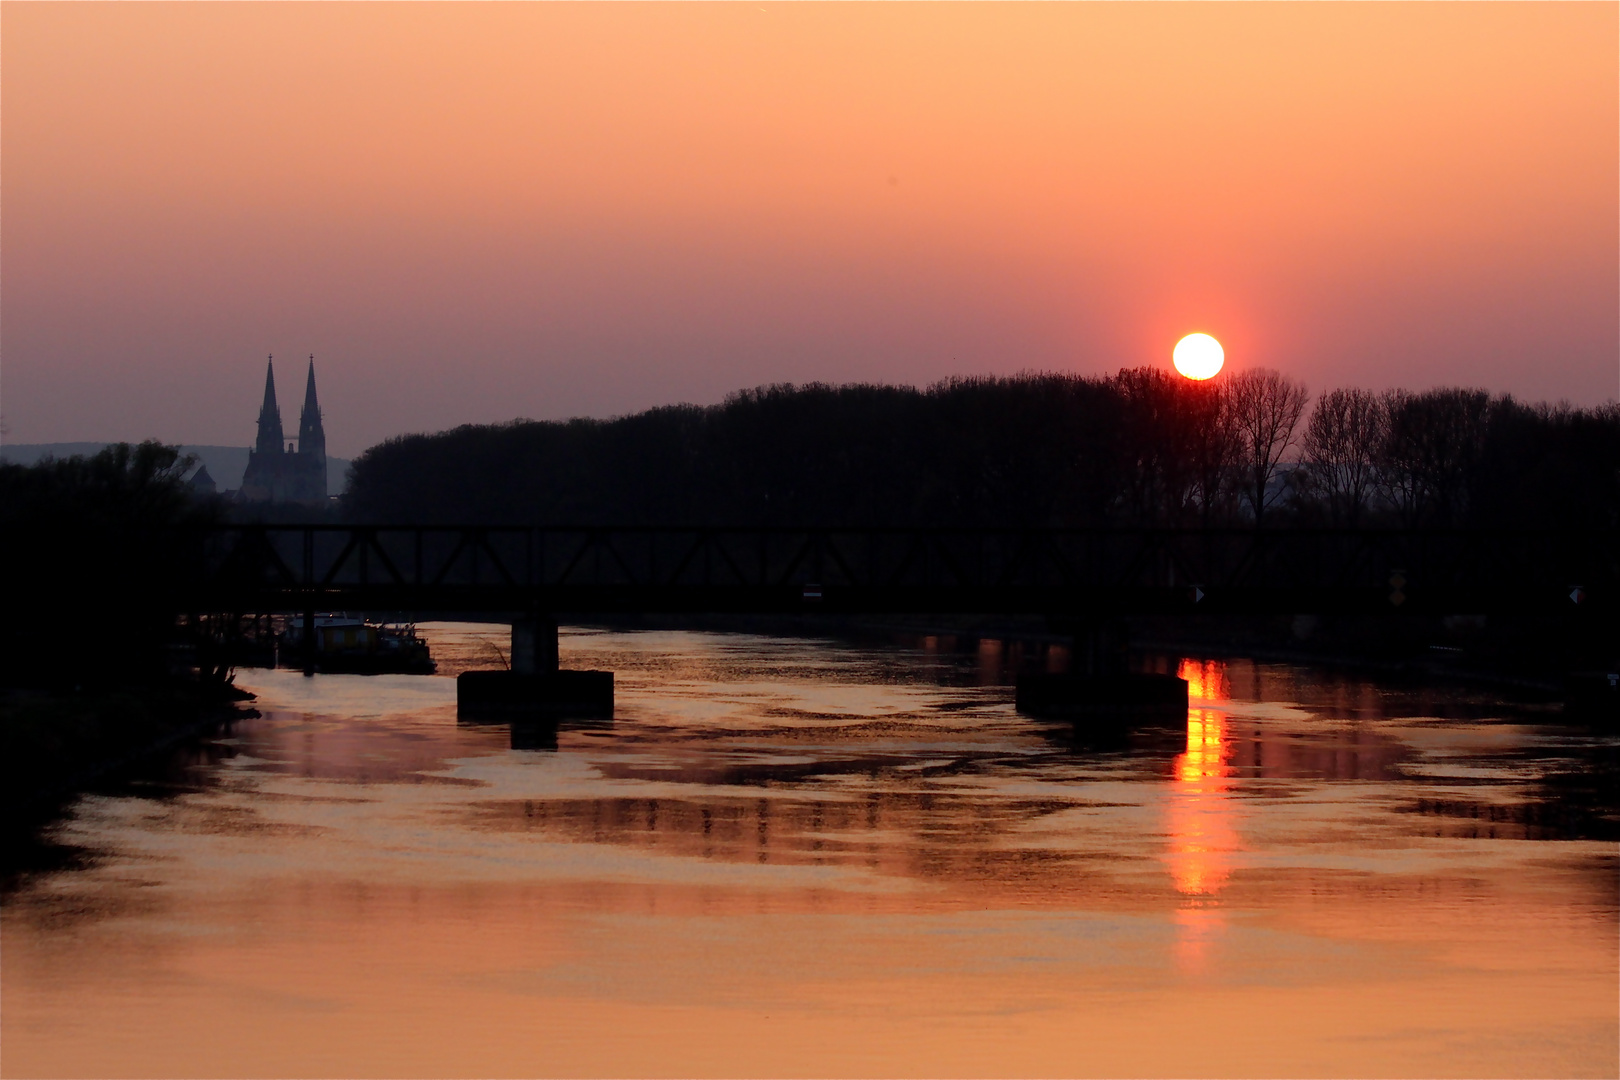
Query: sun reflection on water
{"type": "Point", "coordinates": [1206, 679]}
{"type": "Point", "coordinates": [1202, 837]}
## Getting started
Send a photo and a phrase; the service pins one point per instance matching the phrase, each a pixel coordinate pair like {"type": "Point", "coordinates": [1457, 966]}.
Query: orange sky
{"type": "Point", "coordinates": [471, 213]}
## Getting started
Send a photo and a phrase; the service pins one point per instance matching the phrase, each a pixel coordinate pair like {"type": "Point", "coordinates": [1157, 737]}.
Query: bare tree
{"type": "Point", "coordinates": [1156, 482]}
{"type": "Point", "coordinates": [1266, 407]}
{"type": "Point", "coordinates": [1343, 440]}
{"type": "Point", "coordinates": [1213, 445]}
{"type": "Point", "coordinates": [1400, 473]}
{"type": "Point", "coordinates": [1432, 448]}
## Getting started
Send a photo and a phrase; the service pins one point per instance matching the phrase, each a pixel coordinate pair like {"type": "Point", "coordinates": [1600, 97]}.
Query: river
{"type": "Point", "coordinates": [803, 857]}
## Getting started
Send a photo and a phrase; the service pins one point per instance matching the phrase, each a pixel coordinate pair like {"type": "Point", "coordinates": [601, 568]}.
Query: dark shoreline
{"type": "Point", "coordinates": [1249, 641]}
{"type": "Point", "coordinates": [58, 746]}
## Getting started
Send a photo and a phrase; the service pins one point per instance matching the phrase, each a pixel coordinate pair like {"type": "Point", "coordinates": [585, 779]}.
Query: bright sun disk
{"type": "Point", "coordinates": [1199, 356]}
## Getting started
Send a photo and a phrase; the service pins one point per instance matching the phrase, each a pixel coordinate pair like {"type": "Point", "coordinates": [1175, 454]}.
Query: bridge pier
{"type": "Point", "coordinates": [1100, 688]}
{"type": "Point", "coordinates": [535, 686]}
{"type": "Point", "coordinates": [534, 646]}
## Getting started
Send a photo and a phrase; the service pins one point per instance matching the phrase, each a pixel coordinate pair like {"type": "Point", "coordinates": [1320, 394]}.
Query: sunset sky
{"type": "Point", "coordinates": [476, 212]}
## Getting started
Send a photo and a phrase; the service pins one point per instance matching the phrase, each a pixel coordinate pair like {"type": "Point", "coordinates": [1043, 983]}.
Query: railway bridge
{"type": "Point", "coordinates": [1060, 572]}
{"type": "Point", "coordinates": [1084, 579]}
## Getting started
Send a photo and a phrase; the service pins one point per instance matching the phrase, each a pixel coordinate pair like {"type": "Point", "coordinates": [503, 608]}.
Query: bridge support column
{"type": "Point", "coordinates": [534, 646]}
{"type": "Point", "coordinates": [1100, 690]}
{"type": "Point", "coordinates": [535, 688]}
{"type": "Point", "coordinates": [309, 641]}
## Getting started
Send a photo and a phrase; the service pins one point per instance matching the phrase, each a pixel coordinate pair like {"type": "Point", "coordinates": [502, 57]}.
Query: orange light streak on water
{"type": "Point", "coordinates": [1206, 679]}
{"type": "Point", "coordinates": [1202, 837]}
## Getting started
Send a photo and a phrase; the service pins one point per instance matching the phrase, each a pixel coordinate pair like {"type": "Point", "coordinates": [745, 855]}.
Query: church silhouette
{"type": "Point", "coordinates": [276, 471]}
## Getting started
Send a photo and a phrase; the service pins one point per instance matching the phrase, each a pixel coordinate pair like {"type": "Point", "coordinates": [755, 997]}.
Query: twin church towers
{"type": "Point", "coordinates": [276, 472]}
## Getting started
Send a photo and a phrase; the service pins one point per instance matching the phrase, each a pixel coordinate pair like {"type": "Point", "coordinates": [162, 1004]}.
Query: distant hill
{"type": "Point", "coordinates": [226, 464]}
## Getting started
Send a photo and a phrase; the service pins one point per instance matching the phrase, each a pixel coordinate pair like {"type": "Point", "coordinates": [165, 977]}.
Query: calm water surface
{"type": "Point", "coordinates": [792, 857]}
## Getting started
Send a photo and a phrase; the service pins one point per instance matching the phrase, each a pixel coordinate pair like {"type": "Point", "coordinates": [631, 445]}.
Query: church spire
{"type": "Point", "coordinates": [311, 435]}
{"type": "Point", "coordinates": [270, 440]}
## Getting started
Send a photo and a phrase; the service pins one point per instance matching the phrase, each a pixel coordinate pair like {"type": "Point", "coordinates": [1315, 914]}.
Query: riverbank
{"type": "Point", "coordinates": [55, 745]}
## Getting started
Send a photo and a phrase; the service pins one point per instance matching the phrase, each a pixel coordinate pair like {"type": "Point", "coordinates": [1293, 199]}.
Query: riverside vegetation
{"type": "Point", "coordinates": [94, 667]}
{"type": "Point", "coordinates": [1140, 448]}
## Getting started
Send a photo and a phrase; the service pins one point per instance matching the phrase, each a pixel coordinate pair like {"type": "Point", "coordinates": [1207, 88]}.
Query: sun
{"type": "Point", "coordinates": [1199, 356]}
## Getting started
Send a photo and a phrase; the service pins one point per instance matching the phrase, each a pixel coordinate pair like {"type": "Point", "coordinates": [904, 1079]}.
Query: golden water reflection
{"type": "Point", "coordinates": [1206, 679]}
{"type": "Point", "coordinates": [1203, 838]}
{"type": "Point", "coordinates": [797, 857]}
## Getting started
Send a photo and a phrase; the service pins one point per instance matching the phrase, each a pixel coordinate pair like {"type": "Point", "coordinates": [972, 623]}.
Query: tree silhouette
{"type": "Point", "coordinates": [92, 566]}
{"type": "Point", "coordinates": [1434, 442]}
{"type": "Point", "coordinates": [1142, 447]}
{"type": "Point", "coordinates": [1343, 441]}
{"type": "Point", "coordinates": [1266, 408]}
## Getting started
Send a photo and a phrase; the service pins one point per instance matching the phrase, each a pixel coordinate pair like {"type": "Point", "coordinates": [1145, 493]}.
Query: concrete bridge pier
{"type": "Point", "coordinates": [535, 686]}
{"type": "Point", "coordinates": [534, 646]}
{"type": "Point", "coordinates": [1100, 689]}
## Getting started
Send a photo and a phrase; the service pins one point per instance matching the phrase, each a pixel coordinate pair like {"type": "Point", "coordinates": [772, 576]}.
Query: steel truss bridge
{"type": "Point", "coordinates": [1056, 572]}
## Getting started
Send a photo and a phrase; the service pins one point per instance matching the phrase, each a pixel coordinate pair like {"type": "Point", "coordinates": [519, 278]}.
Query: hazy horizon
{"type": "Point", "coordinates": [473, 214]}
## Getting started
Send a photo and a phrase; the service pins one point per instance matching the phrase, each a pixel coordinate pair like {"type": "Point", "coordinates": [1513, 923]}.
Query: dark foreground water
{"type": "Point", "coordinates": [797, 858]}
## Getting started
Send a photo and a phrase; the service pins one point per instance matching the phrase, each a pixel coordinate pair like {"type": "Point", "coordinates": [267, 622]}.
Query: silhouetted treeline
{"type": "Point", "coordinates": [90, 565]}
{"type": "Point", "coordinates": [1141, 447]}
